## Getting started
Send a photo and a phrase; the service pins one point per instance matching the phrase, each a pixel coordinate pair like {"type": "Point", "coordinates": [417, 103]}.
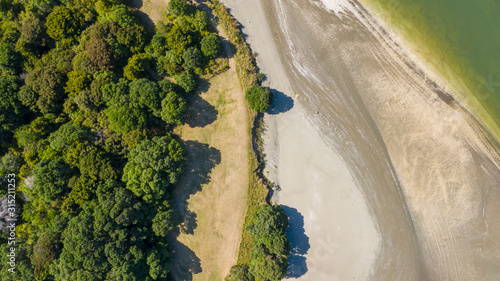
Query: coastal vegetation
{"type": "Point", "coordinates": [89, 101]}
{"type": "Point", "coordinates": [259, 98]}
{"type": "Point", "coordinates": [264, 246]}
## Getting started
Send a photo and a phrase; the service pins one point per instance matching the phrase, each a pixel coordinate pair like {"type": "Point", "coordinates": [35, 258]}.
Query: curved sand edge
{"type": "Point", "coordinates": [317, 182]}
{"type": "Point", "coordinates": [429, 175]}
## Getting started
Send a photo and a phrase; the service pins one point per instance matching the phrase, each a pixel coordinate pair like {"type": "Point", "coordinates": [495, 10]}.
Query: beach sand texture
{"type": "Point", "coordinates": [392, 178]}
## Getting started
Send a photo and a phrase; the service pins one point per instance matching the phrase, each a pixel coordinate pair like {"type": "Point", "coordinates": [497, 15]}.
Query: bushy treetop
{"type": "Point", "coordinates": [259, 98]}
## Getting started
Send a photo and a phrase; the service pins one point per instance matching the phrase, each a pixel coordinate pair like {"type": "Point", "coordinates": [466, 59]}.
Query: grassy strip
{"type": "Point", "coordinates": [245, 61]}
{"type": "Point", "coordinates": [248, 75]}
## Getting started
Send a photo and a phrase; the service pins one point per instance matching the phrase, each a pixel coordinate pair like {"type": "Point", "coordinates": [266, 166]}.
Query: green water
{"type": "Point", "coordinates": [461, 38]}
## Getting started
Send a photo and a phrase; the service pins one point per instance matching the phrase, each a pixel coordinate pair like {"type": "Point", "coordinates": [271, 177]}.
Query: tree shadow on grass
{"type": "Point", "coordinates": [299, 242]}
{"type": "Point", "coordinates": [185, 264]}
{"type": "Point", "coordinates": [281, 103]}
{"type": "Point", "coordinates": [201, 113]}
{"type": "Point", "coordinates": [145, 19]}
{"type": "Point", "coordinates": [202, 158]}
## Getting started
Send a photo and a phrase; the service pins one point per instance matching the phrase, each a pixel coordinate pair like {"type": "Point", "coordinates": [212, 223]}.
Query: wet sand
{"type": "Point", "coordinates": [394, 180]}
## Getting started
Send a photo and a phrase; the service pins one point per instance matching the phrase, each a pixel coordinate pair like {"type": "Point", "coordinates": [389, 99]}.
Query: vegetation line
{"type": "Point", "coordinates": [264, 247]}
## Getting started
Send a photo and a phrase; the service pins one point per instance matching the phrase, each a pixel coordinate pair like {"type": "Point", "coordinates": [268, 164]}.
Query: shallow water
{"type": "Point", "coordinates": [461, 38]}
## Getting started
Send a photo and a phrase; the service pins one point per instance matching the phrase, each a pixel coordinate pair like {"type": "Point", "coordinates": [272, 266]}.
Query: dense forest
{"type": "Point", "coordinates": [88, 100]}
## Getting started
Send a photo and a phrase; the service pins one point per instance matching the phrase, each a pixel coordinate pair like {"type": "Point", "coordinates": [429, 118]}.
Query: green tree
{"type": "Point", "coordinates": [187, 82]}
{"type": "Point", "coordinates": [82, 62]}
{"type": "Point", "coordinates": [25, 136]}
{"type": "Point", "coordinates": [133, 37]}
{"type": "Point", "coordinates": [178, 7]}
{"type": "Point", "coordinates": [78, 81]}
{"type": "Point", "coordinates": [57, 57]}
{"type": "Point", "coordinates": [101, 78]}
{"type": "Point", "coordinates": [137, 66]}
{"type": "Point", "coordinates": [146, 94]}
{"type": "Point", "coordinates": [124, 113]}
{"type": "Point", "coordinates": [48, 83]}
{"type": "Point", "coordinates": [239, 273]}
{"type": "Point", "coordinates": [64, 24]}
{"type": "Point", "coordinates": [173, 109]}
{"type": "Point", "coordinates": [46, 250]}
{"type": "Point", "coordinates": [268, 221]}
{"type": "Point", "coordinates": [163, 222]}
{"type": "Point", "coordinates": [267, 267]}
{"type": "Point", "coordinates": [167, 86]}
{"type": "Point", "coordinates": [123, 15]}
{"type": "Point", "coordinates": [82, 254]}
{"type": "Point", "coordinates": [193, 58]}
{"type": "Point", "coordinates": [100, 54]}
{"type": "Point", "coordinates": [66, 135]}
{"type": "Point", "coordinates": [269, 257]}
{"type": "Point", "coordinates": [158, 261]}
{"type": "Point", "coordinates": [153, 166]}
{"type": "Point", "coordinates": [211, 45]}
{"type": "Point", "coordinates": [9, 59]}
{"type": "Point", "coordinates": [28, 97]}
{"type": "Point", "coordinates": [259, 98]}
{"type": "Point", "coordinates": [33, 39]}
{"type": "Point", "coordinates": [178, 40]}
{"type": "Point", "coordinates": [51, 180]}
{"type": "Point", "coordinates": [11, 109]}
{"type": "Point", "coordinates": [171, 63]}
{"type": "Point", "coordinates": [10, 162]}
{"type": "Point", "coordinates": [158, 45]}
{"type": "Point", "coordinates": [200, 21]}
{"type": "Point", "coordinates": [124, 119]}
{"type": "Point", "coordinates": [96, 164]}
{"type": "Point", "coordinates": [24, 268]}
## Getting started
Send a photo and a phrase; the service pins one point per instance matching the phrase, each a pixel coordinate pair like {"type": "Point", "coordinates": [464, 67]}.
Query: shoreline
{"type": "Point", "coordinates": [444, 161]}
{"type": "Point", "coordinates": [460, 92]}
{"type": "Point", "coordinates": [424, 173]}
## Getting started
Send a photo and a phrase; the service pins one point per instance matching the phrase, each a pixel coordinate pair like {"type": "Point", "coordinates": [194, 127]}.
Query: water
{"type": "Point", "coordinates": [461, 38]}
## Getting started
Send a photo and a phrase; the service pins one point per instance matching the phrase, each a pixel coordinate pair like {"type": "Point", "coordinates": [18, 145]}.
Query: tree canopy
{"type": "Point", "coordinates": [211, 45]}
{"type": "Point", "coordinates": [259, 98]}
{"type": "Point", "coordinates": [153, 166]}
{"type": "Point", "coordinates": [89, 98]}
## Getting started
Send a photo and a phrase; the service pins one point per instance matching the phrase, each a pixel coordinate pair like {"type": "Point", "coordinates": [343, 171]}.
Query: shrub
{"type": "Point", "coordinates": [239, 273]}
{"type": "Point", "coordinates": [259, 98]}
{"type": "Point", "coordinates": [211, 45]}
{"type": "Point", "coordinates": [193, 58]}
{"type": "Point", "coordinates": [178, 7]}
{"type": "Point", "coordinates": [187, 82]}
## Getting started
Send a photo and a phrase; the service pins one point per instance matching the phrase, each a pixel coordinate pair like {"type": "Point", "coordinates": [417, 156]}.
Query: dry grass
{"type": "Point", "coordinates": [152, 10]}
{"type": "Point", "coordinates": [220, 187]}
{"type": "Point", "coordinates": [245, 61]}
{"type": "Point", "coordinates": [216, 191]}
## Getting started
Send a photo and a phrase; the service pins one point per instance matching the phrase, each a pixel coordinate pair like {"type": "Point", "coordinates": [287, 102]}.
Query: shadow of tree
{"type": "Point", "coordinates": [145, 19]}
{"type": "Point", "coordinates": [186, 263]}
{"type": "Point", "coordinates": [281, 103]}
{"type": "Point", "coordinates": [200, 113]}
{"type": "Point", "coordinates": [299, 242]}
{"type": "Point", "coordinates": [202, 159]}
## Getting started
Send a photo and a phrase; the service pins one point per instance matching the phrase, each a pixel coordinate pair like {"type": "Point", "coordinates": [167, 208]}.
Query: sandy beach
{"type": "Point", "coordinates": [384, 175]}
